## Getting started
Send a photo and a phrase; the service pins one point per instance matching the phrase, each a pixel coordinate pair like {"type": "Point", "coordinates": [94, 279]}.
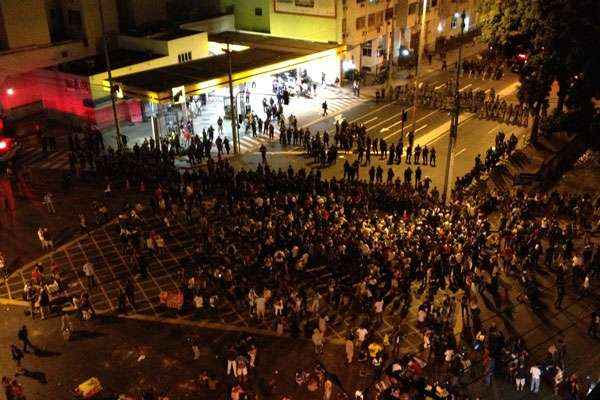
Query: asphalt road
{"type": "Point", "coordinates": [382, 120]}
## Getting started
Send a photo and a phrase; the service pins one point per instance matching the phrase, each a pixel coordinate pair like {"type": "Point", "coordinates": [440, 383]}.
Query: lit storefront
{"type": "Point", "coordinates": [260, 64]}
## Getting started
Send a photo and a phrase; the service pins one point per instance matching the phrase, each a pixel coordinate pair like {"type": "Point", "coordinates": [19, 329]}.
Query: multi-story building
{"type": "Point", "coordinates": [442, 22]}
{"type": "Point", "coordinates": [364, 26]}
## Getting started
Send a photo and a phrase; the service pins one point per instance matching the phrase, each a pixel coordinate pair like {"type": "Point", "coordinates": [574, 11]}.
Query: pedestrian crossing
{"type": "Point", "coordinates": [249, 143]}
{"type": "Point", "coordinates": [56, 160]}
{"type": "Point", "coordinates": [338, 100]}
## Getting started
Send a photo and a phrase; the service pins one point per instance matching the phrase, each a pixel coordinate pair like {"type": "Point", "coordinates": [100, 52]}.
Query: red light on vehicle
{"type": "Point", "coordinates": [522, 57]}
{"type": "Point", "coordinates": [4, 145]}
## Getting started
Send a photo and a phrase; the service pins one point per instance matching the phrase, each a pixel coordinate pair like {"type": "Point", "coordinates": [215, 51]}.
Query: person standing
{"type": "Point", "coordinates": [349, 349]}
{"type": "Point", "coordinates": [520, 377]}
{"type": "Point", "coordinates": [23, 336]}
{"type": "Point", "coordinates": [88, 271]}
{"type": "Point", "coordinates": [535, 378]}
{"type": "Point", "coordinates": [317, 339]}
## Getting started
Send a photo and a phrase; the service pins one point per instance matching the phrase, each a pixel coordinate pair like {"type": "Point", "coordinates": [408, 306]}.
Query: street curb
{"type": "Point", "coordinates": [13, 302]}
{"type": "Point", "coordinates": [217, 326]}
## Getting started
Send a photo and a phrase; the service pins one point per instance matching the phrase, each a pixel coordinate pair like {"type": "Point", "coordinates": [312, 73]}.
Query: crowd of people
{"type": "Point", "coordinates": [485, 104]}
{"type": "Point", "coordinates": [300, 254]}
{"type": "Point", "coordinates": [502, 148]}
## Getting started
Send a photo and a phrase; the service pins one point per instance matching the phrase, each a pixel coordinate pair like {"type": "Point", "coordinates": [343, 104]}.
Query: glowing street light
{"type": "Point", "coordinates": [10, 91]}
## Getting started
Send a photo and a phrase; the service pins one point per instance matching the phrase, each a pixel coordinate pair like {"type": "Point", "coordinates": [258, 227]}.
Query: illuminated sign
{"type": "Point", "coordinates": [318, 8]}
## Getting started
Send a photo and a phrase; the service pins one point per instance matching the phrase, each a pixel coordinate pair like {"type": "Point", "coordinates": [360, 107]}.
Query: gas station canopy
{"type": "Point", "coordinates": [261, 55]}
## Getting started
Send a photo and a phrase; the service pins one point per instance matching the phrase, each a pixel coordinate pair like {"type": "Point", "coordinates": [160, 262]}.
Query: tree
{"type": "Point", "coordinates": [558, 38]}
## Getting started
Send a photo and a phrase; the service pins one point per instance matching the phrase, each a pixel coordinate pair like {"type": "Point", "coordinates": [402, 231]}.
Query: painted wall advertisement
{"type": "Point", "coordinates": [320, 8]}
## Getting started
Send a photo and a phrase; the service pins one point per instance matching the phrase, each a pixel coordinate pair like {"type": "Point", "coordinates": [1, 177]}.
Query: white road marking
{"type": "Point", "coordinates": [370, 112]}
{"type": "Point", "coordinates": [440, 86]}
{"type": "Point", "coordinates": [397, 132]}
{"type": "Point", "coordinates": [507, 91]}
{"type": "Point", "coordinates": [460, 152]}
{"type": "Point", "coordinates": [371, 120]}
{"type": "Point", "coordinates": [440, 131]}
{"type": "Point", "coordinates": [385, 120]}
{"type": "Point", "coordinates": [466, 87]}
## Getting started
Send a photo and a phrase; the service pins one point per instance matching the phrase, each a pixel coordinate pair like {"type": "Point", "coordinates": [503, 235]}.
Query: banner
{"type": "Point", "coordinates": [318, 8]}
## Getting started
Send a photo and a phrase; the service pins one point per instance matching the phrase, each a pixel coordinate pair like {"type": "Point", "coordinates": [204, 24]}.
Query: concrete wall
{"type": "Point", "coordinates": [212, 25]}
{"type": "Point", "coordinates": [25, 23]}
{"type": "Point", "coordinates": [245, 17]}
{"type": "Point", "coordinates": [143, 44]}
{"type": "Point", "coordinates": [197, 44]}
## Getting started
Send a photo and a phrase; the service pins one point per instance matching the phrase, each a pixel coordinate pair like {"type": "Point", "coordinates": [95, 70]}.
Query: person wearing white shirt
{"type": "Point", "coordinates": [88, 271]}
{"type": "Point", "coordinates": [535, 378]}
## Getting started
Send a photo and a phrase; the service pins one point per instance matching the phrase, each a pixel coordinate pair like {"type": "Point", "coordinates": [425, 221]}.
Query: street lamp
{"type": "Point", "coordinates": [120, 143]}
{"type": "Point", "coordinates": [422, 38]}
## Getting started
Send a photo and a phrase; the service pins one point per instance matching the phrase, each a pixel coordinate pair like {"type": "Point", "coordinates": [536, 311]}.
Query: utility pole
{"type": "Point", "coordinates": [232, 112]}
{"type": "Point", "coordinates": [422, 39]}
{"type": "Point", "coordinates": [120, 143]}
{"type": "Point", "coordinates": [389, 90]}
{"type": "Point", "coordinates": [455, 115]}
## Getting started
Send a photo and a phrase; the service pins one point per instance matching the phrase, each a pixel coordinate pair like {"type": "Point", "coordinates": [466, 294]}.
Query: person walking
{"type": "Point", "coordinates": [49, 203]}
{"type": "Point", "coordinates": [324, 106]}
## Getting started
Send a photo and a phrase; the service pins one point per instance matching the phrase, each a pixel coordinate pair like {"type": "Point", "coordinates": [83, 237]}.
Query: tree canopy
{"type": "Point", "coordinates": [561, 39]}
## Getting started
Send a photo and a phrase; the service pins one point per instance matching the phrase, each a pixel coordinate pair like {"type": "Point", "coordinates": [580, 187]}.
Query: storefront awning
{"type": "Point", "coordinates": [263, 57]}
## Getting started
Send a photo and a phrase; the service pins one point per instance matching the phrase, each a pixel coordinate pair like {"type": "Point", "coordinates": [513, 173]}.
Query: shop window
{"type": "Point", "coordinates": [412, 8]}
{"type": "Point", "coordinates": [360, 23]}
{"type": "Point", "coordinates": [367, 49]}
{"type": "Point", "coordinates": [258, 12]}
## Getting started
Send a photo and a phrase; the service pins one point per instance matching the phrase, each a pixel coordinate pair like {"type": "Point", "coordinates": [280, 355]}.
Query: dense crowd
{"type": "Point", "coordinates": [300, 254]}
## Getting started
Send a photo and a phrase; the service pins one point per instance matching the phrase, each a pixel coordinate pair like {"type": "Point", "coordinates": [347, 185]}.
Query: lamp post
{"type": "Point", "coordinates": [120, 143]}
{"type": "Point", "coordinates": [422, 38]}
{"type": "Point", "coordinates": [232, 112]}
{"type": "Point", "coordinates": [455, 114]}
{"type": "Point", "coordinates": [389, 90]}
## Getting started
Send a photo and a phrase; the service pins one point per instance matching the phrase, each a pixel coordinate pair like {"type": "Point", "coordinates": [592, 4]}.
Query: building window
{"type": "Point", "coordinates": [74, 18]}
{"type": "Point", "coordinates": [389, 14]}
{"type": "Point", "coordinates": [360, 2]}
{"type": "Point", "coordinates": [412, 8]}
{"type": "Point", "coordinates": [367, 49]}
{"type": "Point", "coordinates": [360, 23]}
{"type": "Point", "coordinates": [258, 11]}
{"type": "Point", "coordinates": [379, 18]}
{"type": "Point", "coordinates": [185, 57]}
{"type": "Point", "coordinates": [434, 3]}
{"type": "Point", "coordinates": [344, 26]}
{"type": "Point", "coordinates": [372, 18]}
